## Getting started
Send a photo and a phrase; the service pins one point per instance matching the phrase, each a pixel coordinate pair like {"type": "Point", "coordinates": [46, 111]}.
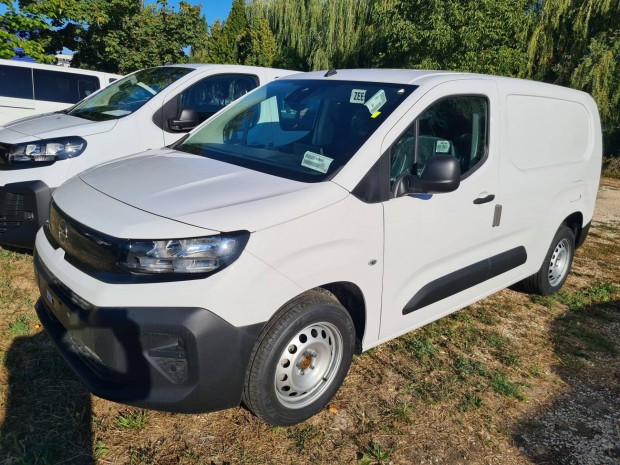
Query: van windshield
{"type": "Point", "coordinates": [303, 130]}
{"type": "Point", "coordinates": [123, 97]}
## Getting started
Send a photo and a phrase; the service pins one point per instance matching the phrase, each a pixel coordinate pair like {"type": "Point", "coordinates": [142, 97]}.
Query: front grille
{"type": "Point", "coordinates": [12, 213]}
{"type": "Point", "coordinates": [84, 247]}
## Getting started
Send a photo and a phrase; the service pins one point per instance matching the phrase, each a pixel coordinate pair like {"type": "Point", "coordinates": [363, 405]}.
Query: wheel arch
{"type": "Point", "coordinates": [350, 297]}
{"type": "Point", "coordinates": [575, 222]}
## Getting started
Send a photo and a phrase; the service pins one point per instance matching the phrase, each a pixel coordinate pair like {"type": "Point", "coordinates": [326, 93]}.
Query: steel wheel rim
{"type": "Point", "coordinates": [308, 364]}
{"type": "Point", "coordinates": [559, 262]}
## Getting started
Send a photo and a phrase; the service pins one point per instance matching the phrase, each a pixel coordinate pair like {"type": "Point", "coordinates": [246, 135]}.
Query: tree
{"type": "Point", "coordinates": [221, 44]}
{"type": "Point", "coordinates": [258, 46]}
{"type": "Point", "coordinates": [318, 34]}
{"type": "Point", "coordinates": [577, 43]}
{"type": "Point", "coordinates": [124, 36]}
{"type": "Point", "coordinates": [486, 36]}
{"type": "Point", "coordinates": [17, 29]}
{"type": "Point", "coordinates": [212, 47]}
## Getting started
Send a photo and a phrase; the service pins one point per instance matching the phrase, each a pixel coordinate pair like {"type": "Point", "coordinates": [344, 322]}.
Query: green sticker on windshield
{"type": "Point", "coordinates": [375, 102]}
{"type": "Point", "coordinates": [316, 162]}
{"type": "Point", "coordinates": [442, 146]}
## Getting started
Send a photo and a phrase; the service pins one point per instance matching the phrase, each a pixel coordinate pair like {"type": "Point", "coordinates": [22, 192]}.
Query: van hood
{"type": "Point", "coordinates": [51, 125]}
{"type": "Point", "coordinates": [208, 193]}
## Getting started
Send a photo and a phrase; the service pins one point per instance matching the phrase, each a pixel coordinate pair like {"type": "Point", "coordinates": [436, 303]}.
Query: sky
{"type": "Point", "coordinates": [211, 9]}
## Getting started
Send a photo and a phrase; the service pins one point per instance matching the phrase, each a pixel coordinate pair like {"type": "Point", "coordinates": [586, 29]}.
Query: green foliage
{"type": "Point", "coordinates": [486, 36]}
{"type": "Point", "coordinates": [19, 29]}
{"type": "Point", "coordinates": [127, 36]}
{"type": "Point", "coordinates": [319, 34]}
{"type": "Point", "coordinates": [577, 43]}
{"type": "Point", "coordinates": [258, 45]}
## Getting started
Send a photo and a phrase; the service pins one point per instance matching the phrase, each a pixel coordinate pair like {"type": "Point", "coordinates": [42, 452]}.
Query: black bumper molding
{"type": "Point", "coordinates": [182, 359]}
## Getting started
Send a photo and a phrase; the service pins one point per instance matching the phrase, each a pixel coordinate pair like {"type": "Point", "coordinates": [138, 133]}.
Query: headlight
{"type": "Point", "coordinates": [196, 255]}
{"type": "Point", "coordinates": [45, 150]}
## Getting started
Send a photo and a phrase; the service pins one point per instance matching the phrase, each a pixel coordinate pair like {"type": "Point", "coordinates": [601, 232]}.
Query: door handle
{"type": "Point", "coordinates": [488, 198]}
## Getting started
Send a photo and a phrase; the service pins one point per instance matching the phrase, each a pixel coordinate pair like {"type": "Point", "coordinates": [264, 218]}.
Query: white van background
{"type": "Point", "coordinates": [28, 89]}
{"type": "Point", "coordinates": [126, 117]}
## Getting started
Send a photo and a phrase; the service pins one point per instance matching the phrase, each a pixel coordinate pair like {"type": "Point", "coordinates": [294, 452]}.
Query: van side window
{"type": "Point", "coordinates": [63, 87]}
{"type": "Point", "coordinates": [214, 93]}
{"type": "Point", "coordinates": [456, 126]}
{"type": "Point", "coordinates": [15, 82]}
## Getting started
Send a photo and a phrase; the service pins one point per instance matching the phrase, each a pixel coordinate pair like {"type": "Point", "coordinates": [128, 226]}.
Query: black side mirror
{"type": "Point", "coordinates": [442, 173]}
{"type": "Point", "coordinates": [187, 119]}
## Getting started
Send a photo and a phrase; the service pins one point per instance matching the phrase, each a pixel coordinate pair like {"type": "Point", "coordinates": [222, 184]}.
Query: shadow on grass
{"type": "Point", "coordinates": [48, 411]}
{"type": "Point", "coordinates": [583, 424]}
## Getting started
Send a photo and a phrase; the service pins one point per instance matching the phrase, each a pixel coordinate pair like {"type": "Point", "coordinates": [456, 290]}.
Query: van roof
{"type": "Point", "coordinates": [410, 76]}
{"type": "Point", "coordinates": [61, 69]}
{"type": "Point", "coordinates": [229, 67]}
{"type": "Point", "coordinates": [395, 76]}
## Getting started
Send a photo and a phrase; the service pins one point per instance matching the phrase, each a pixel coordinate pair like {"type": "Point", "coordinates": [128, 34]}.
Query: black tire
{"type": "Point", "coordinates": [316, 336]}
{"type": "Point", "coordinates": [556, 265]}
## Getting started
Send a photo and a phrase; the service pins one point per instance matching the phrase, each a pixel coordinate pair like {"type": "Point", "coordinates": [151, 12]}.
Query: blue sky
{"type": "Point", "coordinates": [211, 9]}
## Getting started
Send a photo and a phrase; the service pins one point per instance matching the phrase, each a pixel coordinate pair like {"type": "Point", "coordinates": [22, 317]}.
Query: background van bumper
{"type": "Point", "coordinates": [24, 208]}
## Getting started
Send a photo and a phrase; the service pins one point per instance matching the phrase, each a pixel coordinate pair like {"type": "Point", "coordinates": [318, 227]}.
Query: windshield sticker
{"type": "Point", "coordinates": [147, 88]}
{"type": "Point", "coordinates": [375, 114]}
{"type": "Point", "coordinates": [316, 161]}
{"type": "Point", "coordinates": [358, 96]}
{"type": "Point", "coordinates": [116, 112]}
{"type": "Point", "coordinates": [442, 146]}
{"type": "Point", "coordinates": [375, 102]}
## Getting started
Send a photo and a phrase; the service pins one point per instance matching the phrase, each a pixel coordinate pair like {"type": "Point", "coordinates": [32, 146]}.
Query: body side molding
{"type": "Point", "coordinates": [465, 278]}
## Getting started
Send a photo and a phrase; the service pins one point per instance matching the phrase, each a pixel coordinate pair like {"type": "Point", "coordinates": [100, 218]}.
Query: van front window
{"type": "Point", "coordinates": [126, 95]}
{"type": "Point", "coordinates": [298, 129]}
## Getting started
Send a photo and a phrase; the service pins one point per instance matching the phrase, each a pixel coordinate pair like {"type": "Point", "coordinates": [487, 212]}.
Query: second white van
{"type": "Point", "coordinates": [148, 109]}
{"type": "Point", "coordinates": [28, 89]}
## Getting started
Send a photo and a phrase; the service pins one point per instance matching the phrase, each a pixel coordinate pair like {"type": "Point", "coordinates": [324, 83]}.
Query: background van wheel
{"type": "Point", "coordinates": [300, 360]}
{"type": "Point", "coordinates": [556, 266]}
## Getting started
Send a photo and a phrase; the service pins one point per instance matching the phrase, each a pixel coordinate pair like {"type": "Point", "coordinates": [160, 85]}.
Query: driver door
{"type": "Point", "coordinates": [438, 246]}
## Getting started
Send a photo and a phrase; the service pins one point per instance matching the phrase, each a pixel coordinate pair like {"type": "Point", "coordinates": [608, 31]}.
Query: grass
{"type": "Point", "coordinates": [453, 390]}
{"type": "Point", "coordinates": [375, 454]}
{"type": "Point", "coordinates": [136, 419]}
{"type": "Point", "coordinates": [20, 326]}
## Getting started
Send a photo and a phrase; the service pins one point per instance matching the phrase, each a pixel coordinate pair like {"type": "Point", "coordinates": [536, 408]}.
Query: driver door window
{"type": "Point", "coordinates": [456, 126]}
{"type": "Point", "coordinates": [214, 93]}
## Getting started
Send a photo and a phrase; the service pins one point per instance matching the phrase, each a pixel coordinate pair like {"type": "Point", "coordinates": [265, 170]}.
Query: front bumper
{"type": "Point", "coordinates": [24, 208]}
{"type": "Point", "coordinates": [174, 359]}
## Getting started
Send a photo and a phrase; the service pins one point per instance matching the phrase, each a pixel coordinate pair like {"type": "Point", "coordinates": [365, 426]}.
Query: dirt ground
{"type": "Point", "coordinates": [512, 379]}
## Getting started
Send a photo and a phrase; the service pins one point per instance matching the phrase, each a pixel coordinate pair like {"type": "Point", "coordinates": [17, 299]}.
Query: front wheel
{"type": "Point", "coordinates": [300, 360]}
{"type": "Point", "coordinates": [556, 266]}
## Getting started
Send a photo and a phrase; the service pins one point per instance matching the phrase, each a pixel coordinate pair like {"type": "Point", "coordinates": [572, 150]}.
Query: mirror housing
{"type": "Point", "coordinates": [185, 121]}
{"type": "Point", "coordinates": [441, 174]}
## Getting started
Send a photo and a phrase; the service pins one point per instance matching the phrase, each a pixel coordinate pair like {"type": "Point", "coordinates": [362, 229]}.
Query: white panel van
{"type": "Point", "coordinates": [28, 89]}
{"type": "Point", "coordinates": [321, 215]}
{"type": "Point", "coordinates": [148, 109]}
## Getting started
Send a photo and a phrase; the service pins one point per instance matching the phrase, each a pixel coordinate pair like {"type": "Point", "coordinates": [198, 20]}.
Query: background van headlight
{"type": "Point", "coordinates": [195, 255]}
{"type": "Point", "coordinates": [47, 150]}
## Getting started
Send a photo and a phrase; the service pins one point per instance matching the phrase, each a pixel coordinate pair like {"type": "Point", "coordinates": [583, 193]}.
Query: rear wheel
{"type": "Point", "coordinates": [556, 266]}
{"type": "Point", "coordinates": [300, 360]}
